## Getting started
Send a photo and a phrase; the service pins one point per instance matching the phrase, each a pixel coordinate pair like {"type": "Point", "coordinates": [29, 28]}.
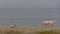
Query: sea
{"type": "Point", "coordinates": [28, 16]}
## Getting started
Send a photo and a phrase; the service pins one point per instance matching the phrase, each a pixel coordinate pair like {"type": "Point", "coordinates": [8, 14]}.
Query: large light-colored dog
{"type": "Point", "coordinates": [48, 23]}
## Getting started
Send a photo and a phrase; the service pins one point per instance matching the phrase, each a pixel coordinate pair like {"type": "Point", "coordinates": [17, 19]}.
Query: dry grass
{"type": "Point", "coordinates": [29, 30]}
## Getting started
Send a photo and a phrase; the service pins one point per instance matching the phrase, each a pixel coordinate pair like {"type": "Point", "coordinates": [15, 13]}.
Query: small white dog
{"type": "Point", "coordinates": [13, 26]}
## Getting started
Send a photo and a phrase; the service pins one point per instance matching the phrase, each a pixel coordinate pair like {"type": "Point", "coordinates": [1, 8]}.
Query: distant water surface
{"type": "Point", "coordinates": [28, 16]}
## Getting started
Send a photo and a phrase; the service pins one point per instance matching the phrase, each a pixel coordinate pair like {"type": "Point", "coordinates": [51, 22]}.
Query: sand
{"type": "Point", "coordinates": [29, 29]}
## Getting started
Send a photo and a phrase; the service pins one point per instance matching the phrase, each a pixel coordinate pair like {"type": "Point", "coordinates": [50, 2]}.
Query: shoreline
{"type": "Point", "coordinates": [30, 28]}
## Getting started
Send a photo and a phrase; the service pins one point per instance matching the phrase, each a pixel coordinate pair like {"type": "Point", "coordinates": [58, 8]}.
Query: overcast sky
{"type": "Point", "coordinates": [58, 3]}
{"type": "Point", "coordinates": [28, 3]}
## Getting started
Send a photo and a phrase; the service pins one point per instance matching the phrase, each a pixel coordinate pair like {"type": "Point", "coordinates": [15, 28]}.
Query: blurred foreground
{"type": "Point", "coordinates": [29, 30]}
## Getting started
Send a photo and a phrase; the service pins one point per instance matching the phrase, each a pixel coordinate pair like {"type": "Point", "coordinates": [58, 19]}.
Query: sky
{"type": "Point", "coordinates": [29, 3]}
{"type": "Point", "coordinates": [57, 3]}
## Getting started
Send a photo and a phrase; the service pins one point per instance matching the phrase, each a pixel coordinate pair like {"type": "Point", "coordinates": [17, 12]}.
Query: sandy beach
{"type": "Point", "coordinates": [29, 29]}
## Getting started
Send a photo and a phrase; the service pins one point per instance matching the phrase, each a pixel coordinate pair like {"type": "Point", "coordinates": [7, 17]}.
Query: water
{"type": "Point", "coordinates": [28, 16]}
